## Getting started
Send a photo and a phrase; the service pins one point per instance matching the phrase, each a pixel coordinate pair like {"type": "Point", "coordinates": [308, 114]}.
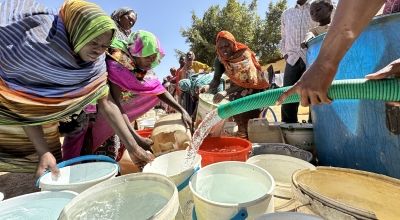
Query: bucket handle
{"type": "Point", "coordinates": [186, 182]}
{"type": "Point", "coordinates": [77, 160]}
{"type": "Point", "coordinates": [241, 215]}
{"type": "Point", "coordinates": [264, 113]}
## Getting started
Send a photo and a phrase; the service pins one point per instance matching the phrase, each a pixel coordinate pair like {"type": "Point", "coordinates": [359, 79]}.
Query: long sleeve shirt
{"type": "Point", "coordinates": [295, 24]}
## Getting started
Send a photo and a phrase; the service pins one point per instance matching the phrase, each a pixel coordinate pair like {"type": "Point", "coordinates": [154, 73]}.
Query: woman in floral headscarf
{"type": "Point", "coordinates": [128, 65]}
{"type": "Point", "coordinates": [239, 63]}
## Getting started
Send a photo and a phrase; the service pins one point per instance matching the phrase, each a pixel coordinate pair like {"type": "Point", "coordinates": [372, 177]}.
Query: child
{"type": "Point", "coordinates": [321, 11]}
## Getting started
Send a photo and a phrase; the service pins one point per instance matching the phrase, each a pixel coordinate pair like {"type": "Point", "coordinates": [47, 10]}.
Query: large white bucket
{"type": "Point", "coordinates": [134, 196]}
{"type": "Point", "coordinates": [232, 189]}
{"type": "Point", "coordinates": [288, 216]}
{"type": "Point", "coordinates": [79, 177]}
{"type": "Point", "coordinates": [36, 206]}
{"type": "Point", "coordinates": [281, 168]}
{"type": "Point", "coordinates": [171, 165]}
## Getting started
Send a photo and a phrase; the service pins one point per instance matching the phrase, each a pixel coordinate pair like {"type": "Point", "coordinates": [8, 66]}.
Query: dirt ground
{"type": "Point", "coordinates": [16, 184]}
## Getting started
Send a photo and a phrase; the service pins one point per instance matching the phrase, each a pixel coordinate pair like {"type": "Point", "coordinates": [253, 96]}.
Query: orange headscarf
{"type": "Point", "coordinates": [241, 53]}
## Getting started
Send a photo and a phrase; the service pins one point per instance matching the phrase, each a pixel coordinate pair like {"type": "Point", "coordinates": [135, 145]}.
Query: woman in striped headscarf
{"type": "Point", "coordinates": [51, 66]}
{"type": "Point", "coordinates": [135, 91]}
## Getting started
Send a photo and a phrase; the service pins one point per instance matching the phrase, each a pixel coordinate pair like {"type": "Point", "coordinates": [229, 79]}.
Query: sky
{"type": "Point", "coordinates": [165, 18]}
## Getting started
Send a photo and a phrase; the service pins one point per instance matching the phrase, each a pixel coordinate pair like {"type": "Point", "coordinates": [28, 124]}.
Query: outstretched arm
{"type": "Point", "coordinates": [351, 17]}
{"type": "Point", "coordinates": [46, 158]}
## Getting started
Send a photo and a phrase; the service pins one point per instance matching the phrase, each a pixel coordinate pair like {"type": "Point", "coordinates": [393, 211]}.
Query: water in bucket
{"type": "Point", "coordinates": [239, 190]}
{"type": "Point", "coordinates": [134, 196]}
{"type": "Point", "coordinates": [35, 206]}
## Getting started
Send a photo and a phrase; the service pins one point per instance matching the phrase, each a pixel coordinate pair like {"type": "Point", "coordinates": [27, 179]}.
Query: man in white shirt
{"type": "Point", "coordinates": [296, 22]}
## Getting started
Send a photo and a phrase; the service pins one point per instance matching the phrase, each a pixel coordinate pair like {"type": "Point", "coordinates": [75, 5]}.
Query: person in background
{"type": "Point", "coordinates": [179, 76]}
{"type": "Point", "coordinates": [124, 18]}
{"type": "Point", "coordinates": [321, 11]}
{"type": "Point", "coordinates": [239, 63]}
{"type": "Point", "coordinates": [169, 82]}
{"type": "Point", "coordinates": [296, 22]}
{"type": "Point", "coordinates": [128, 65]}
{"type": "Point", "coordinates": [352, 16]}
{"type": "Point", "coordinates": [68, 72]}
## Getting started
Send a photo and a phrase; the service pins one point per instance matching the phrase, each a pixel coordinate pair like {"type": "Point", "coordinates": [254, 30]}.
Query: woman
{"type": "Point", "coordinates": [51, 66]}
{"type": "Point", "coordinates": [124, 18]}
{"type": "Point", "coordinates": [241, 66]}
{"type": "Point", "coordinates": [135, 93]}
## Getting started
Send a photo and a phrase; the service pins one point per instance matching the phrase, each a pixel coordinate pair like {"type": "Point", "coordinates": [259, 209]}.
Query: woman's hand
{"type": "Point", "coordinates": [313, 86]}
{"type": "Point", "coordinates": [144, 143]}
{"type": "Point", "coordinates": [393, 69]}
{"type": "Point", "coordinates": [204, 89]}
{"type": "Point", "coordinates": [187, 120]}
{"type": "Point", "coordinates": [47, 162]}
{"type": "Point", "coordinates": [219, 97]}
{"type": "Point", "coordinates": [141, 157]}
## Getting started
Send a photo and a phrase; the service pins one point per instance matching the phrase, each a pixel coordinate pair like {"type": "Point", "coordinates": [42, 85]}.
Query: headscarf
{"type": "Point", "coordinates": [116, 16]}
{"type": "Point", "coordinates": [42, 77]}
{"type": "Point", "coordinates": [84, 21]}
{"type": "Point", "coordinates": [242, 67]}
{"type": "Point", "coordinates": [140, 44]}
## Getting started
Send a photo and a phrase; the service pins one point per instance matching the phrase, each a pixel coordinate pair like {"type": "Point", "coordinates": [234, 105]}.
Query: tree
{"type": "Point", "coordinates": [271, 34]}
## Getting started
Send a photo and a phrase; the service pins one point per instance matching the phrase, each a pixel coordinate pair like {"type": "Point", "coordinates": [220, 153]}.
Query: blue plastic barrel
{"type": "Point", "coordinates": [353, 133]}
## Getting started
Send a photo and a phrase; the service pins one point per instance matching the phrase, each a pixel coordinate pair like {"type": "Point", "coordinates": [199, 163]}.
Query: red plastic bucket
{"type": "Point", "coordinates": [217, 149]}
{"type": "Point", "coordinates": [146, 133]}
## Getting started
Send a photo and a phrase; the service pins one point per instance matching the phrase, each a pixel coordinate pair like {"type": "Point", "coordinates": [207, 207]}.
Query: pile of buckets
{"type": "Point", "coordinates": [222, 183]}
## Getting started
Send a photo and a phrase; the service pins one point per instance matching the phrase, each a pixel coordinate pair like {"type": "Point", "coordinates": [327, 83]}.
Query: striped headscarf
{"type": "Point", "coordinates": [41, 77]}
{"type": "Point", "coordinates": [84, 21]}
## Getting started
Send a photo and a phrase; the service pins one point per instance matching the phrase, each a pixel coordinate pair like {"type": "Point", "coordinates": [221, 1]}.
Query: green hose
{"type": "Point", "coordinates": [384, 90]}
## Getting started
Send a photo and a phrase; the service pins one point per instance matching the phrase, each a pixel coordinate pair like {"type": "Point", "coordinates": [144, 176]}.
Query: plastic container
{"type": "Point", "coordinates": [146, 133]}
{"type": "Point", "coordinates": [300, 135]}
{"type": "Point", "coordinates": [260, 130]}
{"type": "Point", "coordinates": [135, 196]}
{"type": "Point", "coordinates": [35, 206]}
{"type": "Point", "coordinates": [171, 165]}
{"type": "Point", "coordinates": [281, 149]}
{"type": "Point", "coordinates": [288, 216]}
{"type": "Point", "coordinates": [338, 193]}
{"type": "Point", "coordinates": [79, 177]}
{"type": "Point", "coordinates": [206, 105]}
{"type": "Point", "coordinates": [281, 168]}
{"type": "Point", "coordinates": [231, 190]}
{"type": "Point", "coordinates": [217, 149]}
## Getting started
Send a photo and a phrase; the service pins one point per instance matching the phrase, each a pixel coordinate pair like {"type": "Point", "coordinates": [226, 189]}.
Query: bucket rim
{"type": "Point", "coordinates": [113, 173]}
{"type": "Point", "coordinates": [123, 179]}
{"type": "Point", "coordinates": [232, 205]}
{"type": "Point", "coordinates": [208, 153]}
{"type": "Point", "coordinates": [37, 194]}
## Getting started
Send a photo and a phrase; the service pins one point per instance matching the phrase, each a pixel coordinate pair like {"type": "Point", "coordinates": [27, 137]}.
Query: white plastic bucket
{"type": "Point", "coordinates": [35, 206]}
{"type": "Point", "coordinates": [288, 216]}
{"type": "Point", "coordinates": [171, 165]}
{"type": "Point", "coordinates": [1, 196]}
{"type": "Point", "coordinates": [79, 177]}
{"type": "Point", "coordinates": [206, 105]}
{"type": "Point", "coordinates": [299, 134]}
{"type": "Point", "coordinates": [232, 189]}
{"type": "Point", "coordinates": [134, 196]}
{"type": "Point", "coordinates": [281, 168]}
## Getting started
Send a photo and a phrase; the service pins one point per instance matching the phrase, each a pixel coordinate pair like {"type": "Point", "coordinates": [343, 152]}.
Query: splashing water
{"type": "Point", "coordinates": [201, 132]}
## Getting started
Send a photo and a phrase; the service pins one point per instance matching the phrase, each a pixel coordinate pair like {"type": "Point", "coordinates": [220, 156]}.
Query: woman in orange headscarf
{"type": "Point", "coordinates": [239, 63]}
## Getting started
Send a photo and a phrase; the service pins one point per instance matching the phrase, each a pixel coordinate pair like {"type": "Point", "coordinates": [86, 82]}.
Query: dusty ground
{"type": "Point", "coordinates": [16, 184]}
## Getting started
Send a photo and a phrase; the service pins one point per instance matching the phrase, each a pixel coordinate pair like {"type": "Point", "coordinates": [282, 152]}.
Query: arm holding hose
{"type": "Point", "coordinates": [351, 17]}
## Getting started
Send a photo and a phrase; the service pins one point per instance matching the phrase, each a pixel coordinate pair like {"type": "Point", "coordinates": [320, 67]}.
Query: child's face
{"type": "Point", "coordinates": [320, 11]}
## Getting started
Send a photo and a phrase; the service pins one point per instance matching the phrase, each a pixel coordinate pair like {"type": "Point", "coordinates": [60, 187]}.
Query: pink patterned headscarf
{"type": "Point", "coordinates": [144, 44]}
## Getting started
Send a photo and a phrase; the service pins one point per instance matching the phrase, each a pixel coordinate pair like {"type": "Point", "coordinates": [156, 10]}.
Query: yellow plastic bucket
{"type": "Point", "coordinates": [135, 196]}
{"type": "Point", "coordinates": [171, 165]}
{"type": "Point", "coordinates": [231, 190]}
